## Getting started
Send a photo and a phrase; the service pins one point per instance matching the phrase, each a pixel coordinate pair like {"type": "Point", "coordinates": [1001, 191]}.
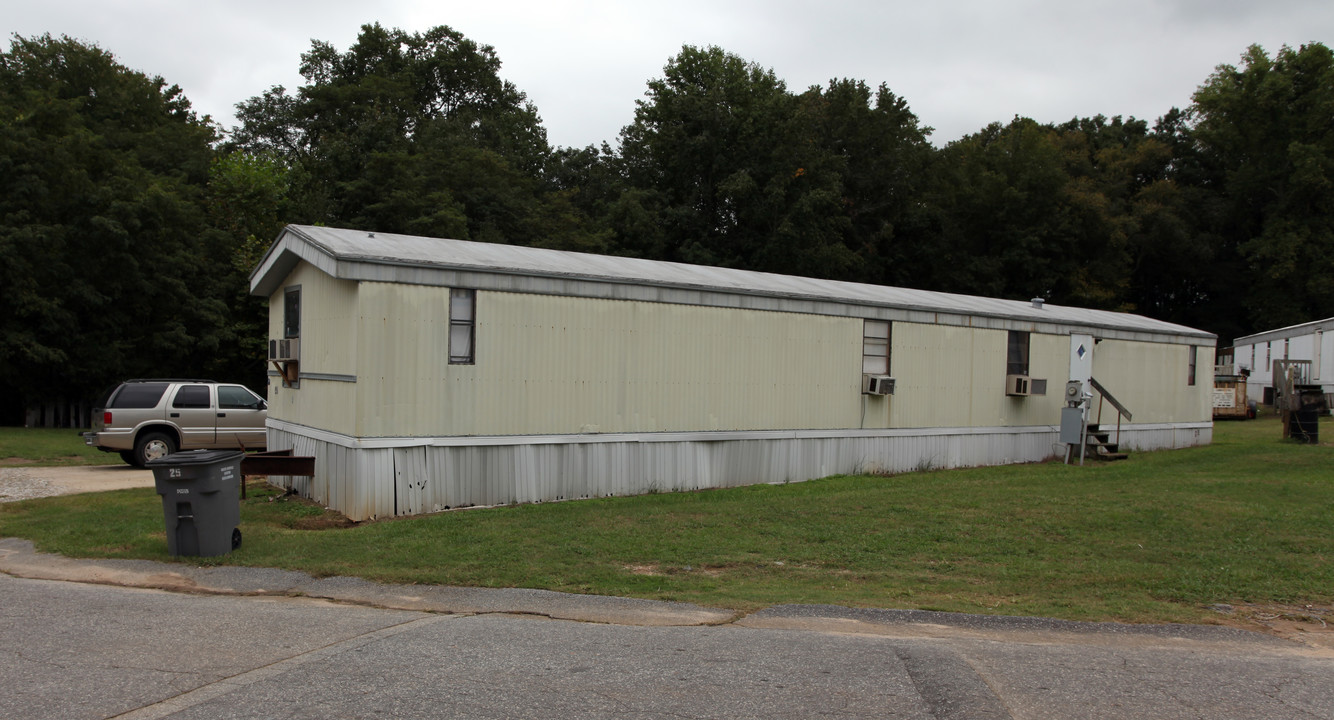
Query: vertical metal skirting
{"type": "Point", "coordinates": [365, 483]}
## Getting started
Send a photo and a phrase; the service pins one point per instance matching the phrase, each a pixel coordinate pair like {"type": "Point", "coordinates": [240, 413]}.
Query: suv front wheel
{"type": "Point", "coordinates": [152, 446]}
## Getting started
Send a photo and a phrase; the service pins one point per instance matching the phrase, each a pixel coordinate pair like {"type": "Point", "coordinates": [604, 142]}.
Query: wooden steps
{"type": "Point", "coordinates": [1098, 445]}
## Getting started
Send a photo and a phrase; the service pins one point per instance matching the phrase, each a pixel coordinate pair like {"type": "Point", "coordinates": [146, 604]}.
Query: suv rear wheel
{"type": "Point", "coordinates": [152, 446]}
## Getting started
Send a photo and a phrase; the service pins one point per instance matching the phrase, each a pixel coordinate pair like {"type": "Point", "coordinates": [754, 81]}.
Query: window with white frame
{"type": "Point", "coordinates": [1192, 354]}
{"type": "Point", "coordinates": [875, 347]}
{"type": "Point", "coordinates": [462, 326]}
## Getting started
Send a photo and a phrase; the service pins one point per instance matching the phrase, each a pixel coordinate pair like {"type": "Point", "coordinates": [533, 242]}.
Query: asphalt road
{"type": "Point", "coordinates": [262, 644]}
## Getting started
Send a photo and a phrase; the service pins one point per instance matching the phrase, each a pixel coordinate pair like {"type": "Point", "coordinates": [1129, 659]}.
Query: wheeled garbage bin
{"type": "Point", "coordinates": [201, 503]}
{"type": "Point", "coordinates": [1305, 426]}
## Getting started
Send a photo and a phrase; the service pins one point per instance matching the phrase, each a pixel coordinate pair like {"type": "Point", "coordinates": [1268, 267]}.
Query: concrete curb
{"type": "Point", "coordinates": [19, 559]}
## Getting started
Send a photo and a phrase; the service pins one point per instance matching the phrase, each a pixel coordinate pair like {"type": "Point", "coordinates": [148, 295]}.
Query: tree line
{"type": "Point", "coordinates": [129, 224]}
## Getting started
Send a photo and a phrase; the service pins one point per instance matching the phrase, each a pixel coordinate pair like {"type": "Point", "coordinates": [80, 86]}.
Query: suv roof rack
{"type": "Point", "coordinates": [169, 380]}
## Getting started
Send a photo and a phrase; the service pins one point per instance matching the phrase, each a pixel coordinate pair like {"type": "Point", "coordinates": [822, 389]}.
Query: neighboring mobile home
{"type": "Point", "coordinates": [1308, 344]}
{"type": "Point", "coordinates": [424, 374]}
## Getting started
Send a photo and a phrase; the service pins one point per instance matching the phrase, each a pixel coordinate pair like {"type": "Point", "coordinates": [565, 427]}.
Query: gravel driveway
{"type": "Point", "coordinates": [23, 483]}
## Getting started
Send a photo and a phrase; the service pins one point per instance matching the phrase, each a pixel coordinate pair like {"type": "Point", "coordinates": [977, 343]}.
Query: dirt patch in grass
{"type": "Point", "coordinates": [15, 461]}
{"type": "Point", "coordinates": [658, 571]}
{"type": "Point", "coordinates": [302, 514]}
{"type": "Point", "coordinates": [328, 521]}
{"type": "Point", "coordinates": [1308, 624]}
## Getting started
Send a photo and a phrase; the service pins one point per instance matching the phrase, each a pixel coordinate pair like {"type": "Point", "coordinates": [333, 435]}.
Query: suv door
{"type": "Point", "coordinates": [241, 416]}
{"type": "Point", "coordinates": [192, 411]}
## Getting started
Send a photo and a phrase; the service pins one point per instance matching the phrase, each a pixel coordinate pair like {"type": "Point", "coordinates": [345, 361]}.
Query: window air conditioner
{"type": "Point", "coordinates": [877, 385]}
{"type": "Point", "coordinates": [286, 349]}
{"type": "Point", "coordinates": [1018, 385]}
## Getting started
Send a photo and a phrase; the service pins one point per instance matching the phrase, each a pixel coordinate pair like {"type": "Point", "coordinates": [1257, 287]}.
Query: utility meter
{"type": "Point", "coordinates": [1074, 392]}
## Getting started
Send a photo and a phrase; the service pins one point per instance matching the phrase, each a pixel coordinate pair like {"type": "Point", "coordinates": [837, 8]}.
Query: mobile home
{"type": "Point", "coordinates": [1308, 345]}
{"type": "Point", "coordinates": [425, 374]}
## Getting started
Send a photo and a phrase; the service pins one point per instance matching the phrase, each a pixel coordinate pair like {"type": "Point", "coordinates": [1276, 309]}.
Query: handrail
{"type": "Point", "coordinates": [1115, 403]}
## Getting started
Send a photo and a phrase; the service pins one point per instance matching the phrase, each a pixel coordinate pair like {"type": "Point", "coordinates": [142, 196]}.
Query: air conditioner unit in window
{"type": "Point", "coordinates": [1018, 385]}
{"type": "Point", "coordinates": [286, 349]}
{"type": "Point", "coordinates": [877, 385]}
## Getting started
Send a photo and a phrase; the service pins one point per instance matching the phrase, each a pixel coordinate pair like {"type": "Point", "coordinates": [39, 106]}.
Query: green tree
{"type": "Point", "coordinates": [1122, 201]}
{"type": "Point", "coordinates": [414, 133]}
{"type": "Point", "coordinates": [1266, 142]}
{"type": "Point", "coordinates": [881, 155]}
{"type": "Point", "coordinates": [706, 147]}
{"type": "Point", "coordinates": [1182, 271]}
{"type": "Point", "coordinates": [1027, 210]}
{"type": "Point", "coordinates": [737, 171]}
{"type": "Point", "coordinates": [994, 198]}
{"type": "Point", "coordinates": [248, 206]}
{"type": "Point", "coordinates": [106, 269]}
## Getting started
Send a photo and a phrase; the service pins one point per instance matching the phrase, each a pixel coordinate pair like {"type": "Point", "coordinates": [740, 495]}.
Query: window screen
{"type": "Point", "coordinates": [875, 347]}
{"type": "Point", "coordinates": [462, 322]}
{"type": "Point", "coordinates": [1192, 354]}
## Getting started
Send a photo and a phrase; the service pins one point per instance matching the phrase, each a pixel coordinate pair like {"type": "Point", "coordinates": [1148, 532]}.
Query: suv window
{"type": "Point", "coordinates": [236, 397]}
{"type": "Point", "coordinates": [138, 396]}
{"type": "Point", "coordinates": [192, 396]}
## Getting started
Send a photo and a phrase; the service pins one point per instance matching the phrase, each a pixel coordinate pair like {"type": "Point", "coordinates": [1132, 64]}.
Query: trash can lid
{"type": "Point", "coordinates": [196, 457]}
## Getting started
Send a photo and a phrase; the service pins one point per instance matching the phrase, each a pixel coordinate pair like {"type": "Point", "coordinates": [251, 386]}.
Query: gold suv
{"type": "Point", "coordinates": [147, 419]}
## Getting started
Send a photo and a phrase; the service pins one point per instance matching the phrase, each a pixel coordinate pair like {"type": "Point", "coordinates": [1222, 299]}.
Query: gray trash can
{"type": "Point", "coordinates": [201, 502]}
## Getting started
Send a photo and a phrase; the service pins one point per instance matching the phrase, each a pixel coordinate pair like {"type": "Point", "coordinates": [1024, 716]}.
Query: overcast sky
{"type": "Point", "coordinates": [960, 64]}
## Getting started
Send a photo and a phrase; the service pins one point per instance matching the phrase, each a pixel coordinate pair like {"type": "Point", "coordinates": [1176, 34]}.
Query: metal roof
{"type": "Point", "coordinates": [1288, 332]}
{"type": "Point", "coordinates": [384, 257]}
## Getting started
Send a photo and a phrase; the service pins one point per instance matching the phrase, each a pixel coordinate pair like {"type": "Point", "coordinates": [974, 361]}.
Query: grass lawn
{"type": "Point", "coordinates": [1156, 538]}
{"type": "Point", "coordinates": [49, 446]}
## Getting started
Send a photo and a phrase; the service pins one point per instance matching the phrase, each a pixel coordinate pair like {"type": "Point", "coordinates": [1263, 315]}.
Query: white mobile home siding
{"type": "Point", "coordinates": [328, 352]}
{"type": "Point", "coordinates": [1313, 342]}
{"type": "Point", "coordinates": [585, 386]}
{"type": "Point", "coordinates": [548, 364]}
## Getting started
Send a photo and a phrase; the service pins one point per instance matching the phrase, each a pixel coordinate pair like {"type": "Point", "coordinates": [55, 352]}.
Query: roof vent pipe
{"type": "Point", "coordinates": [1037, 303]}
